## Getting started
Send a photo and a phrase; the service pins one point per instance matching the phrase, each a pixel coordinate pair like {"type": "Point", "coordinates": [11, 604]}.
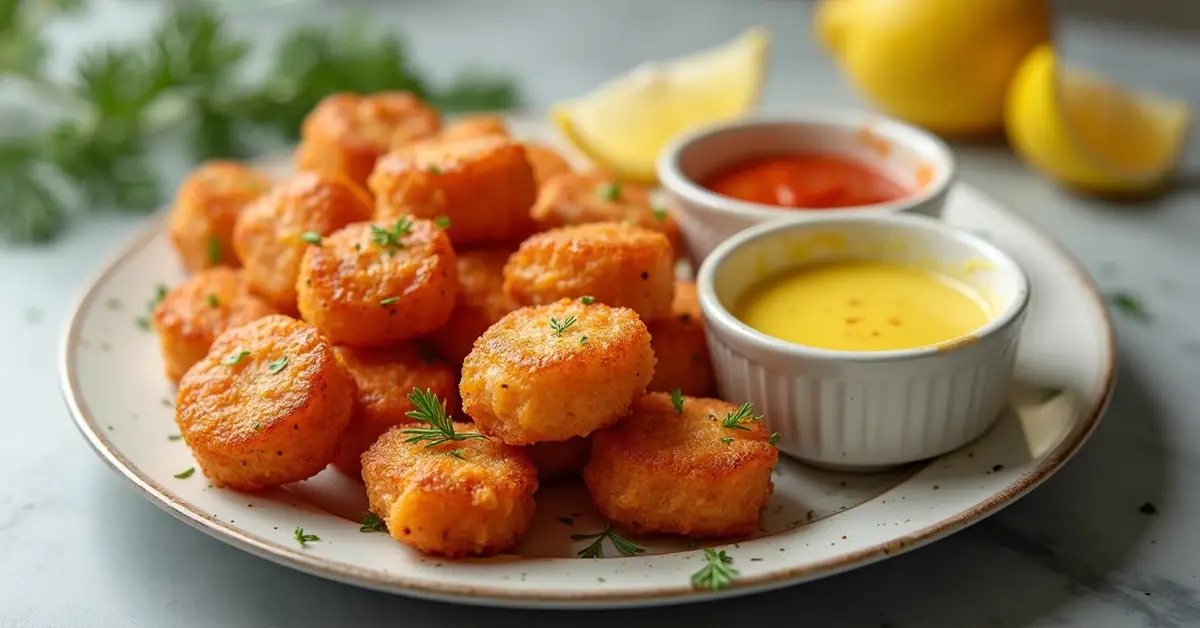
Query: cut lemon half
{"type": "Point", "coordinates": [623, 124]}
{"type": "Point", "coordinates": [1090, 133]}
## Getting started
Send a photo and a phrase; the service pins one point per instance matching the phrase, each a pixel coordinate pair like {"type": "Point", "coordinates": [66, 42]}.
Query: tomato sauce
{"type": "Point", "coordinates": [805, 182]}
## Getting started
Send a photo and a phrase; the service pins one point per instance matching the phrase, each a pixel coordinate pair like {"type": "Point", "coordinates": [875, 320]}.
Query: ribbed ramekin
{"type": "Point", "coordinates": [865, 410]}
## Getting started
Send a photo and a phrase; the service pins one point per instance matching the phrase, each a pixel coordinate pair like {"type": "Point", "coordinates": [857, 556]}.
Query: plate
{"type": "Point", "coordinates": [817, 523]}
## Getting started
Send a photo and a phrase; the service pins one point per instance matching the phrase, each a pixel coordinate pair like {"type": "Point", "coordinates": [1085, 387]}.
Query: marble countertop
{"type": "Point", "coordinates": [79, 547]}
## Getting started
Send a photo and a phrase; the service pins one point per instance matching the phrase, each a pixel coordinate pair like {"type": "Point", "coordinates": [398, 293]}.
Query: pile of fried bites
{"type": "Point", "coordinates": [410, 273]}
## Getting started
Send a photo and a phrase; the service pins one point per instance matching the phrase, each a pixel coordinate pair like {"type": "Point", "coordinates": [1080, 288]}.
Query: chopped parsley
{"type": "Point", "coordinates": [457, 453]}
{"type": "Point", "coordinates": [371, 523]}
{"type": "Point", "coordinates": [389, 301]}
{"type": "Point", "coordinates": [1130, 306]}
{"type": "Point", "coordinates": [429, 409]}
{"type": "Point", "coordinates": [587, 300]}
{"type": "Point", "coordinates": [442, 221]}
{"type": "Point", "coordinates": [235, 357]}
{"type": "Point", "coordinates": [390, 238]}
{"type": "Point", "coordinates": [728, 440]}
{"type": "Point", "coordinates": [186, 473]}
{"type": "Point", "coordinates": [277, 365]}
{"type": "Point", "coordinates": [563, 325]}
{"type": "Point", "coordinates": [774, 439]}
{"type": "Point", "coordinates": [434, 169]}
{"type": "Point", "coordinates": [660, 213]}
{"type": "Point", "coordinates": [174, 437]}
{"type": "Point", "coordinates": [302, 538]}
{"type": "Point", "coordinates": [311, 237]}
{"type": "Point", "coordinates": [583, 340]}
{"type": "Point", "coordinates": [212, 301]}
{"type": "Point", "coordinates": [677, 400]}
{"type": "Point", "coordinates": [596, 548]}
{"type": "Point", "coordinates": [738, 419]}
{"type": "Point", "coordinates": [717, 573]}
{"type": "Point", "coordinates": [611, 191]}
{"type": "Point", "coordinates": [214, 250]}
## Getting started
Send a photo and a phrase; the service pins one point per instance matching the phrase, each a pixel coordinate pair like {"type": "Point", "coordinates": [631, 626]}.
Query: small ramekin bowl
{"type": "Point", "coordinates": [914, 158]}
{"type": "Point", "coordinates": [855, 410]}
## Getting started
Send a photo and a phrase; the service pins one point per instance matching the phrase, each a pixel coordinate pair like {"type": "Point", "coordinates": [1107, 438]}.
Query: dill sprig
{"type": "Point", "coordinates": [596, 548]}
{"type": "Point", "coordinates": [429, 409]}
{"type": "Point", "coordinates": [716, 573]}
{"type": "Point", "coordinates": [561, 326]}
{"type": "Point", "coordinates": [738, 419]}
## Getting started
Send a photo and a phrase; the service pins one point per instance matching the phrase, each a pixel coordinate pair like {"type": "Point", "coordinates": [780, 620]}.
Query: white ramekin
{"type": "Point", "coordinates": [911, 157]}
{"type": "Point", "coordinates": [865, 410]}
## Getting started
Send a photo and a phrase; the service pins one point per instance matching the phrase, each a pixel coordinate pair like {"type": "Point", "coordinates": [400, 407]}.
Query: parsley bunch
{"type": "Point", "coordinates": [189, 76]}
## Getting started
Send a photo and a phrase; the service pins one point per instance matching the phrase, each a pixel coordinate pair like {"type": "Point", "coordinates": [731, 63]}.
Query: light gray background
{"type": "Point", "coordinates": [79, 547]}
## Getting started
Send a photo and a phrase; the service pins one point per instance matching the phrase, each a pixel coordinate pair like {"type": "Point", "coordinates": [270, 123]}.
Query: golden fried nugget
{"type": "Point", "coordinates": [375, 284]}
{"type": "Point", "coordinates": [681, 349]}
{"type": "Point", "coordinates": [618, 265]}
{"type": "Point", "coordinates": [484, 186]}
{"type": "Point", "coordinates": [481, 302]}
{"type": "Point", "coordinates": [206, 209]}
{"type": "Point", "coordinates": [472, 127]}
{"type": "Point", "coordinates": [459, 498]}
{"type": "Point", "coordinates": [578, 198]}
{"type": "Point", "coordinates": [551, 372]}
{"type": "Point", "coordinates": [346, 134]}
{"type": "Point", "coordinates": [194, 313]}
{"type": "Point", "coordinates": [660, 471]}
{"type": "Point", "coordinates": [546, 162]}
{"type": "Point", "coordinates": [266, 406]}
{"type": "Point", "coordinates": [384, 378]}
{"type": "Point", "coordinates": [273, 232]}
{"type": "Point", "coordinates": [561, 459]}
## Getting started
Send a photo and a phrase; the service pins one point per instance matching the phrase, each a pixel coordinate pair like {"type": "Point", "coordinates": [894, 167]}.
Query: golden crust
{"type": "Point", "coordinates": [481, 302]}
{"type": "Point", "coordinates": [345, 134]}
{"type": "Point", "coordinates": [483, 185]}
{"type": "Point", "coordinates": [442, 504]}
{"type": "Point", "coordinates": [260, 422]}
{"type": "Point", "coordinates": [472, 127]}
{"type": "Point", "coordinates": [661, 472]}
{"type": "Point", "coordinates": [194, 313]}
{"type": "Point", "coordinates": [525, 383]}
{"type": "Point", "coordinates": [207, 207]}
{"type": "Point", "coordinates": [579, 198]}
{"type": "Point", "coordinates": [547, 163]}
{"type": "Point", "coordinates": [681, 348]}
{"type": "Point", "coordinates": [384, 378]}
{"type": "Point", "coordinates": [617, 264]}
{"type": "Point", "coordinates": [556, 461]}
{"type": "Point", "coordinates": [359, 292]}
{"type": "Point", "coordinates": [268, 233]}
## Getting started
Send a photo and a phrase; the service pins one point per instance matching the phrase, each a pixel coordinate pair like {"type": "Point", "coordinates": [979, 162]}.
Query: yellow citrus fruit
{"type": "Point", "coordinates": [1089, 133]}
{"type": "Point", "coordinates": [623, 124]}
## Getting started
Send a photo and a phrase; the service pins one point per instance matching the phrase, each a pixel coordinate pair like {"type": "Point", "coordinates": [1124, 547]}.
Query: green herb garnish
{"type": "Point", "coordinates": [212, 300]}
{"type": "Point", "coordinates": [738, 419]}
{"type": "Point", "coordinates": [587, 300]}
{"type": "Point", "coordinates": [388, 301]}
{"type": "Point", "coordinates": [442, 221]}
{"type": "Point", "coordinates": [429, 409]}
{"type": "Point", "coordinates": [1130, 306]}
{"type": "Point", "coordinates": [457, 453]}
{"type": "Point", "coordinates": [277, 365]}
{"type": "Point", "coordinates": [386, 238]}
{"type": "Point", "coordinates": [728, 440]}
{"type": "Point", "coordinates": [660, 213]}
{"type": "Point", "coordinates": [214, 251]}
{"type": "Point", "coordinates": [302, 538]}
{"type": "Point", "coordinates": [774, 439]}
{"type": "Point", "coordinates": [583, 340]}
{"type": "Point", "coordinates": [611, 191]}
{"type": "Point", "coordinates": [174, 437]}
{"type": "Point", "coordinates": [717, 573]}
{"type": "Point", "coordinates": [235, 357]}
{"type": "Point", "coordinates": [186, 473]}
{"type": "Point", "coordinates": [677, 400]}
{"type": "Point", "coordinates": [596, 548]}
{"type": "Point", "coordinates": [561, 326]}
{"type": "Point", "coordinates": [434, 170]}
{"type": "Point", "coordinates": [311, 237]}
{"type": "Point", "coordinates": [371, 523]}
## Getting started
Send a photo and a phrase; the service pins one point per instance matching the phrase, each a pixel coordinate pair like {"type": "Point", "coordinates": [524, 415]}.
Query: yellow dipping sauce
{"type": "Point", "coordinates": [862, 306]}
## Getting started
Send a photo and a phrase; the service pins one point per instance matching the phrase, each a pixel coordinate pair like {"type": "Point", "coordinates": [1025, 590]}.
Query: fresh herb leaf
{"type": "Point", "coordinates": [596, 548]}
{"type": "Point", "coordinates": [143, 323]}
{"type": "Point", "coordinates": [212, 300]}
{"type": "Point", "coordinates": [429, 409]}
{"type": "Point", "coordinates": [214, 251]}
{"type": "Point", "coordinates": [583, 340]}
{"type": "Point", "coordinates": [434, 170]}
{"type": "Point", "coordinates": [587, 300]}
{"type": "Point", "coordinates": [386, 238]}
{"type": "Point", "coordinates": [186, 473]}
{"type": "Point", "coordinates": [738, 419]}
{"type": "Point", "coordinates": [302, 538]}
{"type": "Point", "coordinates": [235, 357]}
{"type": "Point", "coordinates": [561, 326]}
{"type": "Point", "coordinates": [371, 523]}
{"type": "Point", "coordinates": [389, 301]}
{"type": "Point", "coordinates": [610, 191]}
{"type": "Point", "coordinates": [174, 437]}
{"type": "Point", "coordinates": [442, 222]}
{"type": "Point", "coordinates": [774, 439]}
{"type": "Point", "coordinates": [660, 213]}
{"type": "Point", "coordinates": [728, 440]}
{"type": "Point", "coordinates": [716, 573]}
{"type": "Point", "coordinates": [677, 400]}
{"type": "Point", "coordinates": [1130, 306]}
{"type": "Point", "coordinates": [277, 365]}
{"type": "Point", "coordinates": [311, 237]}
{"type": "Point", "coordinates": [457, 453]}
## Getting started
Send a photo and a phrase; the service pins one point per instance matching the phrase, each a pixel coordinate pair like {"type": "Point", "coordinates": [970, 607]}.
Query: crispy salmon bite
{"type": "Point", "coordinates": [481, 302]}
{"type": "Point", "coordinates": [547, 163]}
{"type": "Point", "coordinates": [472, 127]}
{"type": "Point", "coordinates": [484, 186]}
{"type": "Point", "coordinates": [452, 493]}
{"type": "Point", "coordinates": [695, 467]}
{"type": "Point", "coordinates": [206, 209]}
{"type": "Point", "coordinates": [681, 348]}
{"type": "Point", "coordinates": [619, 265]}
{"type": "Point", "coordinates": [345, 134]}
{"type": "Point", "coordinates": [375, 284]}
{"type": "Point", "coordinates": [266, 406]}
{"type": "Point", "coordinates": [191, 315]}
{"type": "Point", "coordinates": [578, 198]}
{"type": "Point", "coordinates": [273, 233]}
{"type": "Point", "coordinates": [556, 371]}
{"type": "Point", "coordinates": [383, 377]}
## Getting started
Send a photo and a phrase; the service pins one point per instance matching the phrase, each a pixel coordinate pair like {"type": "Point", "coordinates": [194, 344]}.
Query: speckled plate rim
{"type": "Point", "coordinates": [277, 552]}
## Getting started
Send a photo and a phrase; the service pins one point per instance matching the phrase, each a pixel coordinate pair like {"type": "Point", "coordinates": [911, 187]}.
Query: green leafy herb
{"type": "Point", "coordinates": [561, 326]}
{"type": "Point", "coordinates": [429, 409]}
{"type": "Point", "coordinates": [596, 548]}
{"type": "Point", "coordinates": [371, 523]}
{"type": "Point", "coordinates": [587, 300]}
{"type": "Point", "coordinates": [716, 573]}
{"type": "Point", "coordinates": [311, 237]}
{"type": "Point", "coordinates": [434, 170]}
{"type": "Point", "coordinates": [212, 300]}
{"type": "Point", "coordinates": [442, 221]}
{"type": "Point", "coordinates": [386, 238]}
{"type": "Point", "coordinates": [1130, 306]}
{"type": "Point", "coordinates": [457, 453]}
{"type": "Point", "coordinates": [728, 440]}
{"type": "Point", "coordinates": [774, 439]}
{"type": "Point", "coordinates": [611, 191]}
{"type": "Point", "coordinates": [174, 437]}
{"type": "Point", "coordinates": [660, 213]}
{"type": "Point", "coordinates": [388, 301]}
{"type": "Point", "coordinates": [277, 365]}
{"type": "Point", "coordinates": [738, 419]}
{"type": "Point", "coordinates": [235, 357]}
{"type": "Point", "coordinates": [186, 473]}
{"type": "Point", "coordinates": [583, 340]}
{"type": "Point", "coordinates": [302, 538]}
{"type": "Point", "coordinates": [143, 323]}
{"type": "Point", "coordinates": [677, 400]}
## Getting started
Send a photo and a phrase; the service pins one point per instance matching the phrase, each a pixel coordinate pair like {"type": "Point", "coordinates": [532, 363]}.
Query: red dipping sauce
{"type": "Point", "coordinates": [804, 182]}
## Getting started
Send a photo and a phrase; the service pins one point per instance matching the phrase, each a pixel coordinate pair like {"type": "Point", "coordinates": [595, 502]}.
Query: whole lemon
{"type": "Point", "coordinates": [941, 64]}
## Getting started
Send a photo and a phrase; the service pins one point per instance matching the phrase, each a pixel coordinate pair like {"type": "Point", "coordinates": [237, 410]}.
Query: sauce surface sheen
{"type": "Point", "coordinates": [804, 182]}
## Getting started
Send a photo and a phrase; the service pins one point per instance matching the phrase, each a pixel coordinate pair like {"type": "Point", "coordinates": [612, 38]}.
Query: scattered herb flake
{"type": "Point", "coordinates": [385, 238]}
{"type": "Point", "coordinates": [561, 326]}
{"type": "Point", "coordinates": [611, 191]}
{"type": "Point", "coordinates": [587, 299]}
{"type": "Point", "coordinates": [728, 440]}
{"type": "Point", "coordinates": [214, 250]}
{"type": "Point", "coordinates": [566, 521]}
{"type": "Point", "coordinates": [433, 169]}
{"type": "Point", "coordinates": [429, 409]}
{"type": "Point", "coordinates": [174, 437]}
{"type": "Point", "coordinates": [277, 365]}
{"type": "Point", "coordinates": [186, 473]}
{"type": "Point", "coordinates": [442, 221]}
{"type": "Point", "coordinates": [738, 419]}
{"type": "Point", "coordinates": [677, 400]}
{"type": "Point", "coordinates": [371, 523]}
{"type": "Point", "coordinates": [143, 323]}
{"type": "Point", "coordinates": [717, 573]}
{"type": "Point", "coordinates": [311, 237]}
{"type": "Point", "coordinates": [235, 357]}
{"type": "Point", "coordinates": [596, 548]}
{"type": "Point", "coordinates": [302, 538]}
{"type": "Point", "coordinates": [774, 439]}
{"type": "Point", "coordinates": [389, 301]}
{"type": "Point", "coordinates": [583, 340]}
{"type": "Point", "coordinates": [660, 213]}
{"type": "Point", "coordinates": [212, 301]}
{"type": "Point", "coordinates": [1130, 306]}
{"type": "Point", "coordinates": [457, 453]}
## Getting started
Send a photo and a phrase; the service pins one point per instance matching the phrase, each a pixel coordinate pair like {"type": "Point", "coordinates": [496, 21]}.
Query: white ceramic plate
{"type": "Point", "coordinates": [817, 523]}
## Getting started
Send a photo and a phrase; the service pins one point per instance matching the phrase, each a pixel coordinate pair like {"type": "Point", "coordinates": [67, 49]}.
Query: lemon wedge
{"type": "Point", "coordinates": [1090, 133]}
{"type": "Point", "coordinates": [623, 124]}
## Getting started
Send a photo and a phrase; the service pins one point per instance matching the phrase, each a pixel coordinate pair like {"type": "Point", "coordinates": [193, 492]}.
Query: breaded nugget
{"type": "Point", "coordinates": [194, 313]}
{"type": "Point", "coordinates": [384, 378]}
{"type": "Point", "coordinates": [660, 471]}
{"type": "Point", "coordinates": [483, 185]}
{"type": "Point", "coordinates": [375, 284]}
{"type": "Point", "coordinates": [206, 209]}
{"type": "Point", "coordinates": [458, 498]}
{"type": "Point", "coordinates": [578, 198]}
{"type": "Point", "coordinates": [617, 264]}
{"type": "Point", "coordinates": [481, 302]}
{"type": "Point", "coordinates": [472, 127]}
{"type": "Point", "coordinates": [546, 162]}
{"type": "Point", "coordinates": [681, 349]}
{"type": "Point", "coordinates": [555, 371]}
{"type": "Point", "coordinates": [346, 134]}
{"type": "Point", "coordinates": [273, 232]}
{"type": "Point", "coordinates": [266, 406]}
{"type": "Point", "coordinates": [560, 460]}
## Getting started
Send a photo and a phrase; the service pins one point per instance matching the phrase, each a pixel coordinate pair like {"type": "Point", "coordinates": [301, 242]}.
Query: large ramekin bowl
{"type": "Point", "coordinates": [865, 410]}
{"type": "Point", "coordinates": [917, 160]}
